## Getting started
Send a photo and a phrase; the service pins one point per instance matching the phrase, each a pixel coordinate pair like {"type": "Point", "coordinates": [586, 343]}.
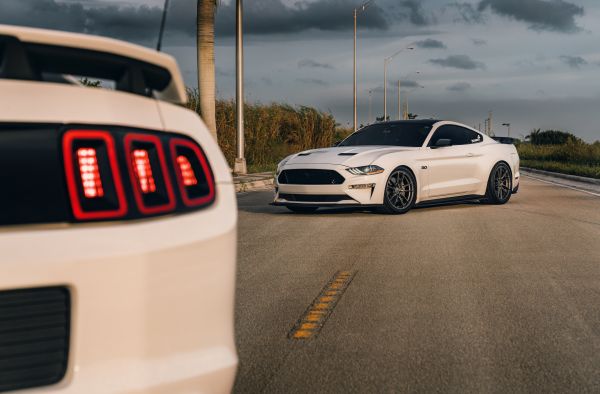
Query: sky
{"type": "Point", "coordinates": [534, 63]}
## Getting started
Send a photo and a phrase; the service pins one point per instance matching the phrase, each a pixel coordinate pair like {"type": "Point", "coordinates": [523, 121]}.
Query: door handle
{"type": "Point", "coordinates": [470, 154]}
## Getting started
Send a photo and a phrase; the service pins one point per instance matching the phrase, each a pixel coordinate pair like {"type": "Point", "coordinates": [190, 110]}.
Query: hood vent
{"type": "Point", "coordinates": [347, 154]}
{"type": "Point", "coordinates": [304, 154]}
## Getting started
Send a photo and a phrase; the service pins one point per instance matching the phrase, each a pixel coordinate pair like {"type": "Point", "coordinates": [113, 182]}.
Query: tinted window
{"type": "Point", "coordinates": [458, 135]}
{"type": "Point", "coordinates": [394, 134]}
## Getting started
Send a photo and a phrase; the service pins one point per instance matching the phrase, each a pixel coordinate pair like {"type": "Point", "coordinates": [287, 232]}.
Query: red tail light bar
{"type": "Point", "coordinates": [98, 162]}
{"type": "Point", "coordinates": [192, 166]}
{"type": "Point", "coordinates": [149, 175]}
{"type": "Point", "coordinates": [93, 175]}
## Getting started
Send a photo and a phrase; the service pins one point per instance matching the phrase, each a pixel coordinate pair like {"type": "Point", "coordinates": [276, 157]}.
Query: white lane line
{"type": "Point", "coordinates": [562, 185]}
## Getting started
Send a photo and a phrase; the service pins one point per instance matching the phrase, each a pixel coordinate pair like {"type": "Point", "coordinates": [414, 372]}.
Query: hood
{"type": "Point", "coordinates": [345, 155]}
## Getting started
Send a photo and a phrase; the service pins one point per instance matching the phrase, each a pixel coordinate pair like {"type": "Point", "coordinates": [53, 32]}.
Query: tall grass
{"type": "Point", "coordinates": [272, 131]}
{"type": "Point", "coordinates": [574, 157]}
{"type": "Point", "coordinates": [579, 153]}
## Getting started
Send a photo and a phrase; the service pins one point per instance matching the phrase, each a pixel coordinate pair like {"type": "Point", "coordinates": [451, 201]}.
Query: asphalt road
{"type": "Point", "coordinates": [465, 298]}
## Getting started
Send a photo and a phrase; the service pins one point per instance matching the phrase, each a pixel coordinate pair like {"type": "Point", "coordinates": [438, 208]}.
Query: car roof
{"type": "Point", "coordinates": [174, 92]}
{"type": "Point", "coordinates": [425, 122]}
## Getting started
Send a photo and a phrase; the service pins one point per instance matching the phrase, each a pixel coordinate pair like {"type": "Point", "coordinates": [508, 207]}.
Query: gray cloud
{"type": "Point", "coordinates": [410, 84]}
{"type": "Point", "coordinates": [467, 12]}
{"type": "Point", "coordinates": [275, 17]}
{"type": "Point", "coordinates": [413, 11]}
{"type": "Point", "coordinates": [573, 61]}
{"type": "Point", "coordinates": [553, 15]}
{"type": "Point", "coordinates": [141, 23]}
{"type": "Point", "coordinates": [129, 22]}
{"type": "Point", "coordinates": [478, 42]}
{"type": "Point", "coordinates": [309, 63]}
{"type": "Point", "coordinates": [459, 87]}
{"type": "Point", "coordinates": [312, 81]}
{"type": "Point", "coordinates": [430, 43]}
{"type": "Point", "coordinates": [462, 62]}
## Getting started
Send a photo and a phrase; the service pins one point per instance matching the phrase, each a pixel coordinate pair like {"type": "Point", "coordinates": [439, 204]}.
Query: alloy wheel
{"type": "Point", "coordinates": [400, 190]}
{"type": "Point", "coordinates": [502, 183]}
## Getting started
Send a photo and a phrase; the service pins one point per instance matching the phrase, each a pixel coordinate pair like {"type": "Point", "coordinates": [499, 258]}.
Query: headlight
{"type": "Point", "coordinates": [365, 170]}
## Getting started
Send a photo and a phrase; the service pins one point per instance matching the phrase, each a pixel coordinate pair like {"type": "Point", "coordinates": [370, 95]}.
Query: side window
{"type": "Point", "coordinates": [458, 135]}
{"type": "Point", "coordinates": [472, 136]}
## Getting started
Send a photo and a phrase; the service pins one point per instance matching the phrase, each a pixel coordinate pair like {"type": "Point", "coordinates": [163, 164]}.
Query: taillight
{"type": "Point", "coordinates": [187, 173]}
{"type": "Point", "coordinates": [90, 173]}
{"type": "Point", "coordinates": [149, 175]}
{"type": "Point", "coordinates": [194, 176]}
{"type": "Point", "coordinates": [121, 173]}
{"type": "Point", "coordinates": [143, 170]}
{"type": "Point", "coordinates": [93, 176]}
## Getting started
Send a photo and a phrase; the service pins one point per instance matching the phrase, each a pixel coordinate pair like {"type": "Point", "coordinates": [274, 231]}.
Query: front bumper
{"type": "Point", "coordinates": [331, 195]}
{"type": "Point", "coordinates": [152, 300]}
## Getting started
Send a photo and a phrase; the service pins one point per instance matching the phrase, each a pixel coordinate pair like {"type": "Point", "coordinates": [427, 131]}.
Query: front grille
{"type": "Point", "coordinates": [310, 177]}
{"type": "Point", "coordinates": [34, 337]}
{"type": "Point", "coordinates": [315, 197]}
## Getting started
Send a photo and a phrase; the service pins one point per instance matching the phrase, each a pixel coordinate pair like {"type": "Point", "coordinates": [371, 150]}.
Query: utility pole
{"type": "Point", "coordinates": [490, 124]}
{"type": "Point", "coordinates": [399, 103]}
{"type": "Point", "coordinates": [362, 8]}
{"type": "Point", "coordinates": [406, 107]}
{"type": "Point", "coordinates": [370, 105]}
{"type": "Point", "coordinates": [240, 161]}
{"type": "Point", "coordinates": [355, 111]}
{"type": "Point", "coordinates": [385, 90]}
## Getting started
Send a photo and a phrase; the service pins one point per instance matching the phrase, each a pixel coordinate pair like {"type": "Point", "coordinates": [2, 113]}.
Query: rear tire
{"type": "Point", "coordinates": [400, 192]}
{"type": "Point", "coordinates": [298, 209]}
{"type": "Point", "coordinates": [499, 187]}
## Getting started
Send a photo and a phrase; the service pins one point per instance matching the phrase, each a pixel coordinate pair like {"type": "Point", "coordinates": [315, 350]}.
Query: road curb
{"type": "Point", "coordinates": [250, 182]}
{"type": "Point", "coordinates": [253, 185]}
{"type": "Point", "coordinates": [577, 178]}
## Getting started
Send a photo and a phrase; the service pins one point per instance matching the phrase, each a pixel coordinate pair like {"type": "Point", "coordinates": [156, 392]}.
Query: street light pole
{"type": "Point", "coordinates": [507, 125]}
{"type": "Point", "coordinates": [399, 109]}
{"type": "Point", "coordinates": [385, 64]}
{"type": "Point", "coordinates": [240, 160]}
{"type": "Point", "coordinates": [370, 105]}
{"type": "Point", "coordinates": [362, 8]}
{"type": "Point", "coordinates": [355, 112]}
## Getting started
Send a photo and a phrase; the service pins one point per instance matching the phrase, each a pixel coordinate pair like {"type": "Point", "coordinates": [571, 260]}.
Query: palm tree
{"type": "Point", "coordinates": [205, 44]}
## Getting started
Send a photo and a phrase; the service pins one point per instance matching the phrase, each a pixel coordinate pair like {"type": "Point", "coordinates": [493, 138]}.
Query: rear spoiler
{"type": "Point", "coordinates": [46, 59]}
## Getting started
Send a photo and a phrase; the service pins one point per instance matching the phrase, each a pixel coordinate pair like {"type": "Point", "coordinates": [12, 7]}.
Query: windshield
{"type": "Point", "coordinates": [393, 134]}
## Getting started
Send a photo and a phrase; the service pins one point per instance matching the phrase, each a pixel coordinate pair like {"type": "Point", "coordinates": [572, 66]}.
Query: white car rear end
{"type": "Point", "coordinates": [117, 224]}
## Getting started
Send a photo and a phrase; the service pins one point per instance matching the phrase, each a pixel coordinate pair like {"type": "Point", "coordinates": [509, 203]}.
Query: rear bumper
{"type": "Point", "coordinates": [152, 300]}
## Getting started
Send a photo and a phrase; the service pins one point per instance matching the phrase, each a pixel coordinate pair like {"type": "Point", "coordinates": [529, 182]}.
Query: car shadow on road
{"type": "Point", "coordinates": [275, 210]}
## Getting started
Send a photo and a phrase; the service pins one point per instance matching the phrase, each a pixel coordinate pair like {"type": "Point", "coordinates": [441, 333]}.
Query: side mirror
{"type": "Point", "coordinates": [442, 142]}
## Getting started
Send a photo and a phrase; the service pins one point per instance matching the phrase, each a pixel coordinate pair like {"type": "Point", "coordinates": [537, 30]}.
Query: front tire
{"type": "Point", "coordinates": [499, 187]}
{"type": "Point", "coordinates": [400, 192]}
{"type": "Point", "coordinates": [298, 209]}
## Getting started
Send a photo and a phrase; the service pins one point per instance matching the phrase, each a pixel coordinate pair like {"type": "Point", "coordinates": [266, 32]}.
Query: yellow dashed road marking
{"type": "Point", "coordinates": [311, 322]}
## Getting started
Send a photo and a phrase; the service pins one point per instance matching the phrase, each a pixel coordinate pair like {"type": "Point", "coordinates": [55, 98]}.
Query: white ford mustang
{"type": "Point", "coordinates": [397, 165]}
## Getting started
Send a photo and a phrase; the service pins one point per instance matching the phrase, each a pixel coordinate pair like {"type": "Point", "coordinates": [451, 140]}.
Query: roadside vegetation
{"type": "Point", "coordinates": [272, 131]}
{"type": "Point", "coordinates": [562, 152]}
